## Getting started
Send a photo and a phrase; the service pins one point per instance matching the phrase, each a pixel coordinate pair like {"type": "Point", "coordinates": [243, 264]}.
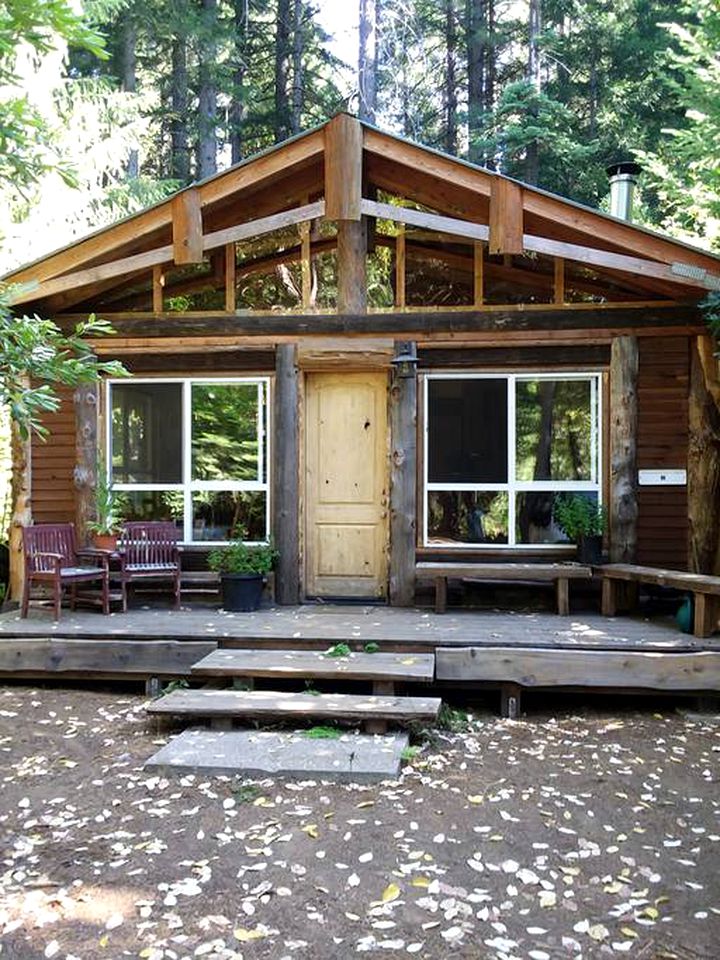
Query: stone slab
{"type": "Point", "coordinates": [350, 757]}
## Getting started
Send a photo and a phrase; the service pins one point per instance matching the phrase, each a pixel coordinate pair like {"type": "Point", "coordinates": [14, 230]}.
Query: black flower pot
{"type": "Point", "coordinates": [241, 592]}
{"type": "Point", "coordinates": [589, 549]}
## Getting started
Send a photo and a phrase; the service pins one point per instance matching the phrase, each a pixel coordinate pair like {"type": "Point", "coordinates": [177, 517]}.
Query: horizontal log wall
{"type": "Point", "coordinates": [663, 442]}
{"type": "Point", "coordinates": [53, 462]}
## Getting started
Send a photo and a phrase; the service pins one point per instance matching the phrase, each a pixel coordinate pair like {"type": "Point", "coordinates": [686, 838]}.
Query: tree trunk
{"type": "Point", "coordinates": [298, 53]}
{"type": "Point", "coordinates": [532, 158]}
{"type": "Point", "coordinates": [21, 508]}
{"type": "Point", "coordinates": [450, 79]}
{"type": "Point", "coordinates": [86, 459]}
{"type": "Point", "coordinates": [207, 94]}
{"type": "Point", "coordinates": [180, 159]}
{"type": "Point", "coordinates": [236, 113]}
{"type": "Point", "coordinates": [283, 55]}
{"type": "Point", "coordinates": [490, 59]}
{"type": "Point", "coordinates": [127, 69]}
{"type": "Point", "coordinates": [623, 508]}
{"type": "Point", "coordinates": [704, 459]}
{"type": "Point", "coordinates": [475, 43]}
{"type": "Point", "coordinates": [403, 483]}
{"type": "Point", "coordinates": [367, 60]}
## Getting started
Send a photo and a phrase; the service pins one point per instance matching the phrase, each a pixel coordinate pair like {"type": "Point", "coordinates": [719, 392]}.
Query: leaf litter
{"type": "Point", "coordinates": [585, 836]}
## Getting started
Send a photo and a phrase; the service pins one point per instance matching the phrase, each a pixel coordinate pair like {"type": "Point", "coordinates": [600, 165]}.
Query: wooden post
{"type": "Point", "coordinates": [286, 476]}
{"type": "Point", "coordinates": [623, 507]}
{"type": "Point", "coordinates": [158, 285]}
{"type": "Point", "coordinates": [21, 508]}
{"type": "Point", "coordinates": [351, 269]}
{"type": "Point", "coordinates": [704, 458]}
{"type": "Point", "coordinates": [305, 263]}
{"type": "Point", "coordinates": [87, 455]}
{"type": "Point", "coordinates": [403, 472]}
{"type": "Point", "coordinates": [559, 280]}
{"type": "Point", "coordinates": [230, 273]}
{"type": "Point", "coordinates": [400, 267]}
{"type": "Point", "coordinates": [478, 273]}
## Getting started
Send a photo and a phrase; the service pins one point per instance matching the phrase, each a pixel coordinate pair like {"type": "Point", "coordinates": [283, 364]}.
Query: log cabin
{"type": "Point", "coordinates": [378, 354]}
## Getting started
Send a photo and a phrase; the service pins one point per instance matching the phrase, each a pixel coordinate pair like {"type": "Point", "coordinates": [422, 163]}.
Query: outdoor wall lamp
{"type": "Point", "coordinates": [405, 362]}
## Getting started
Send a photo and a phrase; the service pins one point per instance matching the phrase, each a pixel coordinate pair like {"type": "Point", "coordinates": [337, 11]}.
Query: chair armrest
{"type": "Point", "coordinates": [95, 554]}
{"type": "Point", "coordinates": [56, 557]}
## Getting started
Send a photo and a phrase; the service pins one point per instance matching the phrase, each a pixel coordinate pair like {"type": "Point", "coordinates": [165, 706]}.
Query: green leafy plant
{"type": "Point", "coordinates": [578, 516]}
{"type": "Point", "coordinates": [322, 733]}
{"type": "Point", "coordinates": [107, 513]}
{"type": "Point", "coordinates": [241, 557]}
{"type": "Point", "coordinates": [339, 650]}
{"type": "Point", "coordinates": [175, 685]}
{"type": "Point", "coordinates": [371, 647]}
{"type": "Point", "coordinates": [452, 719]}
{"type": "Point", "coordinates": [247, 793]}
{"type": "Point", "coordinates": [409, 753]}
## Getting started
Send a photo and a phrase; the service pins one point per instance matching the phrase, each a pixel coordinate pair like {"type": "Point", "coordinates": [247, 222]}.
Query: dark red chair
{"type": "Point", "coordinates": [149, 550]}
{"type": "Point", "coordinates": [51, 557]}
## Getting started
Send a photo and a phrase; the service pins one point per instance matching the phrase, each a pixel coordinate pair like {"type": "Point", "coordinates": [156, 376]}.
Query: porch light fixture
{"type": "Point", "coordinates": [405, 362]}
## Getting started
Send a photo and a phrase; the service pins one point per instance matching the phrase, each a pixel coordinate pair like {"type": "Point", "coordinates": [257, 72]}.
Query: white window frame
{"type": "Point", "coordinates": [514, 486]}
{"type": "Point", "coordinates": [188, 486]}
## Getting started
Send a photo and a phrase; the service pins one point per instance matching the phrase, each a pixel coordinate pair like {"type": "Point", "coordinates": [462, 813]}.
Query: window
{"type": "Point", "coordinates": [194, 452]}
{"type": "Point", "coordinates": [499, 448]}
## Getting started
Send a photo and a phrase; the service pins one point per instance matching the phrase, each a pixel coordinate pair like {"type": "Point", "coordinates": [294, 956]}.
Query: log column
{"type": "Point", "coordinates": [352, 279]}
{"type": "Point", "coordinates": [704, 458]}
{"type": "Point", "coordinates": [286, 476]}
{"type": "Point", "coordinates": [623, 507]}
{"type": "Point", "coordinates": [87, 456]}
{"type": "Point", "coordinates": [403, 494]}
{"type": "Point", "coordinates": [21, 508]}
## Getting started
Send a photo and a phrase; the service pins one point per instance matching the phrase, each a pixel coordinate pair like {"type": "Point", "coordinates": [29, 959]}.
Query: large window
{"type": "Point", "coordinates": [194, 452]}
{"type": "Point", "coordinates": [499, 449]}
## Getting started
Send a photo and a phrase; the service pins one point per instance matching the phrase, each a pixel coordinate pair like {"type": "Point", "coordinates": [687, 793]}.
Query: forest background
{"type": "Point", "coordinates": [111, 109]}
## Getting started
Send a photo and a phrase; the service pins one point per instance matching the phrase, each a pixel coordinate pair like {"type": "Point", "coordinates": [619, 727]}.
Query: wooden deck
{"type": "Point", "coordinates": [530, 649]}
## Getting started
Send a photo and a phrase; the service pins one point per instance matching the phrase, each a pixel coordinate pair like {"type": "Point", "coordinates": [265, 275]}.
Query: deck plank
{"type": "Point", "coordinates": [309, 663]}
{"type": "Point", "coordinates": [271, 704]}
{"type": "Point", "coordinates": [582, 668]}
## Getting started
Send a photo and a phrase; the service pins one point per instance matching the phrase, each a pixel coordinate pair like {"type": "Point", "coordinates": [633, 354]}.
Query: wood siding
{"type": "Point", "coordinates": [53, 462]}
{"type": "Point", "coordinates": [663, 442]}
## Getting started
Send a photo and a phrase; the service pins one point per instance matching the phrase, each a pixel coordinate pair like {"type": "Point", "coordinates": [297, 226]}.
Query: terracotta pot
{"type": "Point", "coordinates": [105, 541]}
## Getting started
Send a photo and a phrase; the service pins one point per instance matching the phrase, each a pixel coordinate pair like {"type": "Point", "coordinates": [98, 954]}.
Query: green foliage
{"type": "Point", "coordinates": [241, 557]}
{"type": "Point", "coordinates": [579, 516]}
{"type": "Point", "coordinates": [371, 647]}
{"type": "Point", "coordinates": [37, 350]}
{"type": "Point", "coordinates": [339, 650]}
{"type": "Point", "coordinates": [452, 719]}
{"type": "Point", "coordinates": [108, 519]}
{"type": "Point", "coordinates": [711, 311]}
{"type": "Point", "coordinates": [323, 733]}
{"type": "Point", "coordinates": [179, 684]}
{"type": "Point", "coordinates": [409, 753]}
{"type": "Point", "coordinates": [246, 793]}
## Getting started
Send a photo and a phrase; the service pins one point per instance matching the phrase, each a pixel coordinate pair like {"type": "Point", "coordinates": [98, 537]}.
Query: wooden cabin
{"type": "Point", "coordinates": [380, 354]}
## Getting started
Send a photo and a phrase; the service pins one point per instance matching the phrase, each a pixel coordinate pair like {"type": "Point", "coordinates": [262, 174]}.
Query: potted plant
{"type": "Point", "coordinates": [583, 521]}
{"type": "Point", "coordinates": [106, 526]}
{"type": "Point", "coordinates": [242, 568]}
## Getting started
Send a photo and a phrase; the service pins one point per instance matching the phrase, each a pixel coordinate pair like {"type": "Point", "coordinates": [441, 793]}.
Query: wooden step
{"type": "Point", "coordinates": [314, 664]}
{"type": "Point", "coordinates": [275, 705]}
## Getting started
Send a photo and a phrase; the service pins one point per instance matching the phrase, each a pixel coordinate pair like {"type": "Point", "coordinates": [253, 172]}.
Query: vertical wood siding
{"type": "Point", "coordinates": [53, 462]}
{"type": "Point", "coordinates": [663, 383]}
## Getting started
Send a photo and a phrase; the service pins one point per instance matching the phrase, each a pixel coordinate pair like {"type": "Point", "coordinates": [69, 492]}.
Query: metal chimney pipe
{"type": "Point", "coordinates": [623, 177]}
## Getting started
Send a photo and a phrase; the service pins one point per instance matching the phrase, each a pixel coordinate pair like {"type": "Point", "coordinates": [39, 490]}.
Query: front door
{"type": "Point", "coordinates": [346, 493]}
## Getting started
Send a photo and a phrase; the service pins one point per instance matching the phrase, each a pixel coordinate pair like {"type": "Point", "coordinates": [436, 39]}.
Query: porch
{"type": "Point", "coordinates": [510, 651]}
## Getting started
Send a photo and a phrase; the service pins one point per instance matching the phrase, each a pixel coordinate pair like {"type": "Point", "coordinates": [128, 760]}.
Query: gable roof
{"type": "Point", "coordinates": [287, 183]}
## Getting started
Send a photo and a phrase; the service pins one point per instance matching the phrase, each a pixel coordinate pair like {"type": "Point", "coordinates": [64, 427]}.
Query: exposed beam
{"type": "Point", "coordinates": [161, 255]}
{"type": "Point", "coordinates": [230, 277]}
{"type": "Point", "coordinates": [559, 280]}
{"type": "Point", "coordinates": [343, 168]}
{"type": "Point", "coordinates": [506, 217]}
{"type": "Point", "coordinates": [400, 267]}
{"type": "Point", "coordinates": [478, 273]}
{"type": "Point", "coordinates": [187, 227]}
{"type": "Point", "coordinates": [442, 322]}
{"type": "Point", "coordinates": [429, 221]}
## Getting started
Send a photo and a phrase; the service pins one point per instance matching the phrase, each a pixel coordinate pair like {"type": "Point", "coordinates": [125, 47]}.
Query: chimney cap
{"type": "Point", "coordinates": [623, 167]}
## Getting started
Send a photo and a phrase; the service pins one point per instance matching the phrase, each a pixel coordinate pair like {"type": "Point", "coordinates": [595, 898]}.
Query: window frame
{"type": "Point", "coordinates": [513, 486]}
{"type": "Point", "coordinates": [187, 485]}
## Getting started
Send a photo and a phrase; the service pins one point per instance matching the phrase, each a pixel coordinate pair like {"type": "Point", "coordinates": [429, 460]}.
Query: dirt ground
{"type": "Point", "coordinates": [586, 834]}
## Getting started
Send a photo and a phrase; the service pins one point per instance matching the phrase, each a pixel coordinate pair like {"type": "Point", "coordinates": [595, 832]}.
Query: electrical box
{"type": "Point", "coordinates": [662, 478]}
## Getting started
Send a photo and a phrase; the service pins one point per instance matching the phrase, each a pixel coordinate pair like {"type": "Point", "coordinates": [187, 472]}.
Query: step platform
{"type": "Point", "coordinates": [277, 705]}
{"type": "Point", "coordinates": [392, 667]}
{"type": "Point", "coordinates": [250, 753]}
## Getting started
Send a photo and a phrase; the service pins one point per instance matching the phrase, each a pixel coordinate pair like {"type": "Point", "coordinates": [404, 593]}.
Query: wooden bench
{"type": "Point", "coordinates": [558, 573]}
{"type": "Point", "coordinates": [705, 590]}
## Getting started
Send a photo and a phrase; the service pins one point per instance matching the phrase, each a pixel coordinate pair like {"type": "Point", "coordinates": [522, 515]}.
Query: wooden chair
{"type": "Point", "coordinates": [51, 556]}
{"type": "Point", "coordinates": [149, 550]}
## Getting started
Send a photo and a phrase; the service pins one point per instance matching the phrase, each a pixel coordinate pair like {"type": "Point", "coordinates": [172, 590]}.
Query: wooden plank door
{"type": "Point", "coordinates": [346, 486]}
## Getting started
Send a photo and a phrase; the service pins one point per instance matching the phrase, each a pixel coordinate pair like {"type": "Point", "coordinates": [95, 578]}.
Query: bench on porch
{"type": "Point", "coordinates": [705, 591]}
{"type": "Point", "coordinates": [558, 573]}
